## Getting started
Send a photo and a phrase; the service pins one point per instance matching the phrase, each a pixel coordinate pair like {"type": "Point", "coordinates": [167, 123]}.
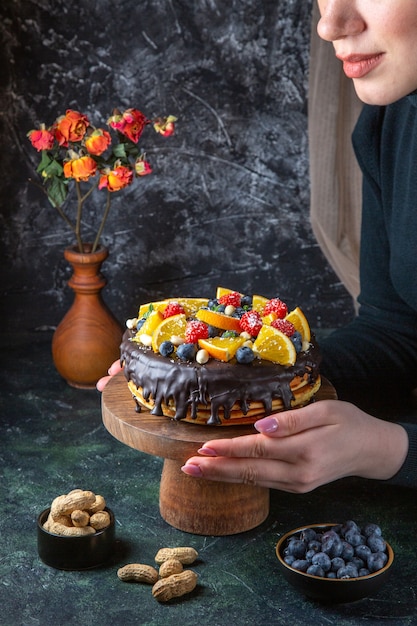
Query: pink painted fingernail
{"type": "Point", "coordinates": [206, 451]}
{"type": "Point", "coordinates": [267, 425]}
{"type": "Point", "coordinates": [192, 470]}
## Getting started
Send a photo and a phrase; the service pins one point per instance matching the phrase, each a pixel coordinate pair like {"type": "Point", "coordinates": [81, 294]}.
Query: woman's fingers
{"type": "Point", "coordinates": [299, 450]}
{"type": "Point", "coordinates": [102, 382]}
{"type": "Point", "coordinates": [261, 472]}
{"type": "Point", "coordinates": [279, 426]}
{"type": "Point", "coordinates": [296, 421]}
{"type": "Point", "coordinates": [114, 369]}
{"type": "Point", "coordinates": [293, 451]}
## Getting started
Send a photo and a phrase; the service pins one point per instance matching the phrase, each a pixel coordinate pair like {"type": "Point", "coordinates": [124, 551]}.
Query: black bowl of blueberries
{"type": "Point", "coordinates": [335, 563]}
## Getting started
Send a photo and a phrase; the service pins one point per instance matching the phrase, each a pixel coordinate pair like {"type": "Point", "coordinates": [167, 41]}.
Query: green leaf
{"type": "Point", "coordinates": [54, 169]}
{"type": "Point", "coordinates": [45, 161]}
{"type": "Point", "coordinates": [125, 150]}
{"type": "Point", "coordinates": [57, 191]}
{"type": "Point", "coordinates": [149, 311]}
{"type": "Point", "coordinates": [119, 151]}
{"type": "Point", "coordinates": [132, 149]}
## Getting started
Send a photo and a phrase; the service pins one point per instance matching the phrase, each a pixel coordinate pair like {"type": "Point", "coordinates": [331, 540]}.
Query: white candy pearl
{"type": "Point", "coordinates": [146, 340]}
{"type": "Point", "coordinates": [131, 323]}
{"type": "Point", "coordinates": [176, 340]}
{"type": "Point", "coordinates": [202, 357]}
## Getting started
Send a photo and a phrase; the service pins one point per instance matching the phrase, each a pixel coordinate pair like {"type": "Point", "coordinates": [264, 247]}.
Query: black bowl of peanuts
{"type": "Point", "coordinates": [76, 532]}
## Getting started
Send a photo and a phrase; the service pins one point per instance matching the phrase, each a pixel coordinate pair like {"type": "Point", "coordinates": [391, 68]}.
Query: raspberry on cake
{"type": "Point", "coordinates": [223, 361]}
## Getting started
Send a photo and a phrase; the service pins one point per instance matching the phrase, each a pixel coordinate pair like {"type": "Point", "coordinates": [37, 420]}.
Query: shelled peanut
{"type": "Point", "coordinates": [171, 581]}
{"type": "Point", "coordinates": [77, 513]}
{"type": "Point", "coordinates": [138, 573]}
{"type": "Point", "coordinates": [185, 555]}
{"type": "Point", "coordinates": [169, 567]}
{"type": "Point", "coordinates": [175, 586]}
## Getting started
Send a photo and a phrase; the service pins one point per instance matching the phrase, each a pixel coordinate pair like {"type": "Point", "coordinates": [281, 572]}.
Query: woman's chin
{"type": "Point", "coordinates": [380, 96]}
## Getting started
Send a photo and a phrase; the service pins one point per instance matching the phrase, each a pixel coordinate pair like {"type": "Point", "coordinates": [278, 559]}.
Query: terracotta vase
{"type": "Point", "coordinates": [87, 340]}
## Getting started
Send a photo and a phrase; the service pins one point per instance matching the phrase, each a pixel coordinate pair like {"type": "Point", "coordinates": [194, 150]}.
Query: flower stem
{"type": "Point", "coordinates": [103, 221]}
{"type": "Point", "coordinates": [54, 204]}
{"type": "Point", "coordinates": [81, 199]}
{"type": "Point", "coordinates": [79, 214]}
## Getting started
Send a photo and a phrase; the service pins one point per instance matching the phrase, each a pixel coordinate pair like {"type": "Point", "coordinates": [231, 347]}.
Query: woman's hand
{"type": "Point", "coordinates": [114, 369]}
{"type": "Point", "coordinates": [301, 449]}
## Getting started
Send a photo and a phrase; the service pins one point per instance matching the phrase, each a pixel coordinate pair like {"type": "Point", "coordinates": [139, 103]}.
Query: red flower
{"type": "Point", "coordinates": [165, 125]}
{"type": "Point", "coordinates": [41, 139]}
{"type": "Point", "coordinates": [98, 141]}
{"type": "Point", "coordinates": [131, 123]}
{"type": "Point", "coordinates": [71, 127]}
{"type": "Point", "coordinates": [81, 168]}
{"type": "Point", "coordinates": [142, 167]}
{"type": "Point", "coordinates": [116, 179]}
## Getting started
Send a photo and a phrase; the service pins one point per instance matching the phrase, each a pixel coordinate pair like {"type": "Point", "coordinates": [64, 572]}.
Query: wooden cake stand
{"type": "Point", "coordinates": [202, 507]}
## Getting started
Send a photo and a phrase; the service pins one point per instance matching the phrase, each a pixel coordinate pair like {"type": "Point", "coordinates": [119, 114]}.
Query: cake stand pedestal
{"type": "Point", "coordinates": [197, 506]}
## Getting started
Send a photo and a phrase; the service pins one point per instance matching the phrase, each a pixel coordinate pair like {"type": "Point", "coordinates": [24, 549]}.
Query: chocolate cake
{"type": "Point", "coordinates": [226, 361]}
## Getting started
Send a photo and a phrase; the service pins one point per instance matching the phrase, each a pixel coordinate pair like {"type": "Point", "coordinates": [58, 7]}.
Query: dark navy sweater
{"type": "Point", "coordinates": [373, 361]}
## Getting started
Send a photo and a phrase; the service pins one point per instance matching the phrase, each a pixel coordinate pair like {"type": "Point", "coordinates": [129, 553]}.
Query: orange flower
{"type": "Point", "coordinates": [81, 168]}
{"type": "Point", "coordinates": [116, 179]}
{"type": "Point", "coordinates": [142, 167]}
{"type": "Point", "coordinates": [41, 139]}
{"type": "Point", "coordinates": [131, 123]}
{"type": "Point", "coordinates": [71, 127]}
{"type": "Point", "coordinates": [98, 141]}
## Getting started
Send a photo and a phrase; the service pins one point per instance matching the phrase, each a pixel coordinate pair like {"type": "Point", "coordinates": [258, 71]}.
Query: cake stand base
{"type": "Point", "coordinates": [197, 506]}
{"type": "Point", "coordinates": [207, 507]}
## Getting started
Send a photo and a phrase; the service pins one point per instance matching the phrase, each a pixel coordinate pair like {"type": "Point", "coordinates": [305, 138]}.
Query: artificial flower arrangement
{"type": "Point", "coordinates": [74, 150]}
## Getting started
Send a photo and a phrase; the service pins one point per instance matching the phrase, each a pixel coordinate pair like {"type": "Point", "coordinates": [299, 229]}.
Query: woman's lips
{"type": "Point", "coordinates": [358, 66]}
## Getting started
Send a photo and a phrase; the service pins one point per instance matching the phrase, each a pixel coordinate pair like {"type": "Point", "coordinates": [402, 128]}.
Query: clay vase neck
{"type": "Point", "coordinates": [87, 340]}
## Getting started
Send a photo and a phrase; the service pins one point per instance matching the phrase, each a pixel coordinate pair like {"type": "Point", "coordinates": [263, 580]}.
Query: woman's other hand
{"type": "Point", "coordinates": [114, 369]}
{"type": "Point", "coordinates": [301, 449]}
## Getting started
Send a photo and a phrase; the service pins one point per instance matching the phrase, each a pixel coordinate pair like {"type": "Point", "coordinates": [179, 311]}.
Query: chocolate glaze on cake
{"type": "Point", "coordinates": [217, 384]}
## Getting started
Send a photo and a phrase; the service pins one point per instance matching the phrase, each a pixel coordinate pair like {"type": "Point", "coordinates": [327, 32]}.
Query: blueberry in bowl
{"type": "Point", "coordinates": [335, 563]}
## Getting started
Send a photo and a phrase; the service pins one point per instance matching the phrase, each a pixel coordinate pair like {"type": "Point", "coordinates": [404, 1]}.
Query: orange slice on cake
{"type": "Point", "coordinates": [221, 348]}
{"type": "Point", "coordinates": [299, 321]}
{"type": "Point", "coordinates": [152, 321]}
{"type": "Point", "coordinates": [190, 305]}
{"type": "Point", "coordinates": [268, 319]}
{"type": "Point", "coordinates": [174, 325]}
{"type": "Point", "coordinates": [258, 303]}
{"type": "Point", "coordinates": [219, 320]}
{"type": "Point", "coordinates": [159, 305]}
{"type": "Point", "coordinates": [224, 291]}
{"type": "Point", "coordinates": [272, 345]}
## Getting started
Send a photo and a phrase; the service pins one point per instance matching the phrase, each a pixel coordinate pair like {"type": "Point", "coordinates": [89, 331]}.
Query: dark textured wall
{"type": "Point", "coordinates": [228, 201]}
